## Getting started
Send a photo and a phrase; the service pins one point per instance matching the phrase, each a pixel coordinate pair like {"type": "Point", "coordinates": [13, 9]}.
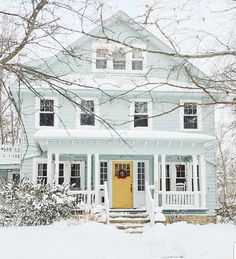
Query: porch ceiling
{"type": "Point", "coordinates": [146, 141]}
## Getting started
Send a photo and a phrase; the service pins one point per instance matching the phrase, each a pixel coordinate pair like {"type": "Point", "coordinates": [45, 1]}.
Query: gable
{"type": "Point", "coordinates": [119, 28]}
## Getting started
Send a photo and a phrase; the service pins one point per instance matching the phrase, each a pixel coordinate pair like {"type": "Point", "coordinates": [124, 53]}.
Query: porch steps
{"type": "Point", "coordinates": [131, 221]}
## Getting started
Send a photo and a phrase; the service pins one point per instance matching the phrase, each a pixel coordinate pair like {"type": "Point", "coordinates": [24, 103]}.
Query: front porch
{"type": "Point", "coordinates": [89, 166]}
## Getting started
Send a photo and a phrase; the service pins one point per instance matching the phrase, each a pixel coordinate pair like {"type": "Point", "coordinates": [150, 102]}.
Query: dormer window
{"type": "Point", "coordinates": [101, 58]}
{"type": "Point", "coordinates": [119, 59]}
{"type": "Point", "coordinates": [137, 59]}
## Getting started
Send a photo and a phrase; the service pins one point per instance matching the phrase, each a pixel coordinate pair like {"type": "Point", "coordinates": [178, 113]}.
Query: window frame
{"type": "Point", "coordinates": [96, 113]}
{"type": "Point", "coordinates": [55, 112]}
{"type": "Point", "coordinates": [111, 46]}
{"type": "Point", "coordinates": [102, 173]}
{"type": "Point", "coordinates": [149, 113]}
{"type": "Point", "coordinates": [198, 114]}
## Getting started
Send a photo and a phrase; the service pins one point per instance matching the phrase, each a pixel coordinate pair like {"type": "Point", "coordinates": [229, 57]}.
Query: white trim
{"type": "Point", "coordinates": [150, 111]}
{"type": "Point", "coordinates": [112, 46]}
{"type": "Point", "coordinates": [199, 115]}
{"type": "Point", "coordinates": [37, 112]}
{"type": "Point", "coordinates": [96, 113]}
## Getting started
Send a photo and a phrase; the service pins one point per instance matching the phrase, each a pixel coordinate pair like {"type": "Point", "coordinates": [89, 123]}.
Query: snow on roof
{"type": "Point", "coordinates": [99, 134]}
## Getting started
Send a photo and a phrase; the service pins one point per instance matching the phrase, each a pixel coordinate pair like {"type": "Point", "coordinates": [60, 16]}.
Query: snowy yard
{"type": "Point", "coordinates": [97, 241]}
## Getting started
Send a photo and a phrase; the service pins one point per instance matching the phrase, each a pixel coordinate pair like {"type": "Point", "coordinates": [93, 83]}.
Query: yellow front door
{"type": "Point", "coordinates": [122, 181]}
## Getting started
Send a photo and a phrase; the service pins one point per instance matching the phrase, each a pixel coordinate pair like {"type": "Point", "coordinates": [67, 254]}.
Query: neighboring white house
{"type": "Point", "coordinates": [116, 135]}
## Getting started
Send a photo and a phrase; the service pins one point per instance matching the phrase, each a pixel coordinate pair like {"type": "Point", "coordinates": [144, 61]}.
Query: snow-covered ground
{"type": "Point", "coordinates": [67, 240]}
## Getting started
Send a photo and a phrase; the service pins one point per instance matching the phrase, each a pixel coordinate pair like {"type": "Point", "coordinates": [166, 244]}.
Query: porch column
{"type": "Point", "coordinates": [56, 178]}
{"type": "Point", "coordinates": [49, 168]}
{"type": "Point", "coordinates": [195, 180]}
{"type": "Point", "coordinates": [163, 179]}
{"type": "Point", "coordinates": [156, 177]}
{"type": "Point", "coordinates": [203, 180]}
{"type": "Point", "coordinates": [89, 179]}
{"type": "Point", "coordinates": [96, 177]}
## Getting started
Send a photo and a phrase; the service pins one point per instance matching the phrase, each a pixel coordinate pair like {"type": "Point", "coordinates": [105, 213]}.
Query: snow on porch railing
{"type": "Point", "coordinates": [106, 201]}
{"type": "Point", "coordinates": [9, 152]}
{"type": "Point", "coordinates": [150, 204]}
{"type": "Point", "coordinates": [179, 199]}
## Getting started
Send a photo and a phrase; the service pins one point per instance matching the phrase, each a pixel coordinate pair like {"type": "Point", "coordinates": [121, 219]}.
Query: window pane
{"type": "Point", "coordinates": [101, 64]}
{"type": "Point", "coordinates": [119, 64]}
{"type": "Point", "coordinates": [47, 105]}
{"type": "Point", "coordinates": [75, 170]}
{"type": "Point", "coordinates": [190, 122]}
{"type": "Point", "coordinates": [75, 183]}
{"type": "Point", "coordinates": [140, 107]}
{"type": "Point", "coordinates": [137, 54]}
{"type": "Point", "coordinates": [87, 105]}
{"type": "Point", "coordinates": [87, 119]}
{"type": "Point", "coordinates": [190, 108]}
{"type": "Point", "coordinates": [141, 121]}
{"type": "Point", "coordinates": [102, 53]}
{"type": "Point", "coordinates": [141, 176]}
{"type": "Point", "coordinates": [137, 65]}
{"type": "Point", "coordinates": [46, 119]}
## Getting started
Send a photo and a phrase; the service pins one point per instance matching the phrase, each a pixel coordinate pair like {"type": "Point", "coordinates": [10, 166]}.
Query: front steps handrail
{"type": "Point", "coordinates": [150, 204]}
{"type": "Point", "coordinates": [106, 201]}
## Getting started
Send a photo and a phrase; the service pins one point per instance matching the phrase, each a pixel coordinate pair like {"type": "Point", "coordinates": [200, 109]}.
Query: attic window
{"type": "Point", "coordinates": [137, 59]}
{"type": "Point", "coordinates": [119, 59]}
{"type": "Point", "coordinates": [101, 58]}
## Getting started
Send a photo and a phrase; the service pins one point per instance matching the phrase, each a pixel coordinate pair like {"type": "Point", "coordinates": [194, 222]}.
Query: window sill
{"type": "Point", "coordinates": [191, 130]}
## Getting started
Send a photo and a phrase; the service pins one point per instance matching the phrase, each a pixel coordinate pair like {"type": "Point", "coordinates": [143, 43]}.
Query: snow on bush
{"type": "Point", "coordinates": [227, 213]}
{"type": "Point", "coordinates": [28, 204]}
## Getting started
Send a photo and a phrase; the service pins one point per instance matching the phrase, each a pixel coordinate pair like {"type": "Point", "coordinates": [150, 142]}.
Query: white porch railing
{"type": "Point", "coordinates": [9, 153]}
{"type": "Point", "coordinates": [84, 196]}
{"type": "Point", "coordinates": [179, 199]}
{"type": "Point", "coordinates": [106, 201]}
{"type": "Point", "coordinates": [150, 204]}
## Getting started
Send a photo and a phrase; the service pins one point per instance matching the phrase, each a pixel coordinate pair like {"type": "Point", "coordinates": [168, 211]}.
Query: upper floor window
{"type": "Point", "coordinates": [141, 114]}
{"type": "Point", "coordinates": [191, 115]}
{"type": "Point", "coordinates": [137, 59]}
{"type": "Point", "coordinates": [119, 59]}
{"type": "Point", "coordinates": [46, 113]}
{"type": "Point", "coordinates": [87, 116]}
{"type": "Point", "coordinates": [101, 58]}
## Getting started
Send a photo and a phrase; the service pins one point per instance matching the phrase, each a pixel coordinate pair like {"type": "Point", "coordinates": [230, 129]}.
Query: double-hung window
{"type": "Point", "coordinates": [75, 177]}
{"type": "Point", "coordinates": [101, 58]}
{"type": "Point", "coordinates": [42, 173]}
{"type": "Point", "coordinates": [87, 113]}
{"type": "Point", "coordinates": [46, 113]}
{"type": "Point", "coordinates": [137, 59]}
{"type": "Point", "coordinates": [190, 116]}
{"type": "Point", "coordinates": [141, 114]}
{"type": "Point", "coordinates": [119, 59]}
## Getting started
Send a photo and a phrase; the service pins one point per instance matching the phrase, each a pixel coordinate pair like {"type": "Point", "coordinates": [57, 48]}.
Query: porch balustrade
{"type": "Point", "coordinates": [9, 153]}
{"type": "Point", "coordinates": [178, 199]}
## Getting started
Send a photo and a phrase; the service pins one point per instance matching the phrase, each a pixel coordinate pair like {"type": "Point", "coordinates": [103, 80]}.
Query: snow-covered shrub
{"type": "Point", "coordinates": [28, 204]}
{"type": "Point", "coordinates": [227, 213]}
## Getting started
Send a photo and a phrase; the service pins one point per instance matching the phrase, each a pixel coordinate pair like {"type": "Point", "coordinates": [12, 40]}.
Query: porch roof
{"type": "Point", "coordinates": [103, 134]}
